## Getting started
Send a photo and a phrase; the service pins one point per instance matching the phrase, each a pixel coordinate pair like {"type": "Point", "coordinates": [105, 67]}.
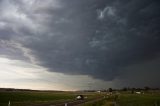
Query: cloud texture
{"type": "Point", "coordinates": [104, 39]}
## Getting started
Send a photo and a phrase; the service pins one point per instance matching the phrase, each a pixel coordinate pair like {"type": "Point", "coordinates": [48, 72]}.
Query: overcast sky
{"type": "Point", "coordinates": [79, 44]}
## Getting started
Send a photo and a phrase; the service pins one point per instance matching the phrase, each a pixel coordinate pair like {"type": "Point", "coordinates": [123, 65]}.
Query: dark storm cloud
{"type": "Point", "coordinates": [142, 74]}
{"type": "Point", "coordinates": [91, 37]}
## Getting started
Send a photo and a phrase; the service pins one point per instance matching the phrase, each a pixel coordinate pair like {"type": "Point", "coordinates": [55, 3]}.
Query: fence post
{"type": "Point", "coordinates": [65, 104]}
{"type": "Point", "coordinates": [9, 103]}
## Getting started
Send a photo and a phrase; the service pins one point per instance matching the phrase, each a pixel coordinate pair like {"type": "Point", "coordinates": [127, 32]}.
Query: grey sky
{"type": "Point", "coordinates": [106, 40]}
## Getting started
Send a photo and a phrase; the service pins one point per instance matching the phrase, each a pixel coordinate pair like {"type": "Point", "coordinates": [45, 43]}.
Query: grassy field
{"type": "Point", "coordinates": [33, 98]}
{"type": "Point", "coordinates": [126, 99]}
{"type": "Point", "coordinates": [25, 98]}
{"type": "Point", "coordinates": [29, 98]}
{"type": "Point", "coordinates": [139, 100]}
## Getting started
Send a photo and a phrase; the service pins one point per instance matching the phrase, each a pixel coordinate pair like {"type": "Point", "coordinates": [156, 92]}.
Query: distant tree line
{"type": "Point", "coordinates": [146, 88]}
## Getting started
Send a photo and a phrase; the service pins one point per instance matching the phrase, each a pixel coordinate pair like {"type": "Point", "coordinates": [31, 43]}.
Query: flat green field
{"type": "Point", "coordinates": [33, 98]}
{"type": "Point", "coordinates": [30, 98]}
{"type": "Point", "coordinates": [126, 99]}
{"type": "Point", "coordinates": [139, 100]}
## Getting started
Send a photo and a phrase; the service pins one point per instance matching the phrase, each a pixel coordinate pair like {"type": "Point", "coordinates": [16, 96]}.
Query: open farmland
{"type": "Point", "coordinates": [48, 98]}
{"type": "Point", "coordinates": [126, 99]}
{"type": "Point", "coordinates": [32, 98]}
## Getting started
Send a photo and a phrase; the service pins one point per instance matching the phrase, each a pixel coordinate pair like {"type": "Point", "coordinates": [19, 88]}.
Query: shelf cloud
{"type": "Point", "coordinates": [106, 39]}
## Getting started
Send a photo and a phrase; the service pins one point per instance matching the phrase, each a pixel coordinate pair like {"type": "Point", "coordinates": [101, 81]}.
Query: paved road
{"type": "Point", "coordinates": [75, 102]}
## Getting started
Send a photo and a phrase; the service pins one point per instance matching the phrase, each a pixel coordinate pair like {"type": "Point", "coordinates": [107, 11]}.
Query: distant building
{"type": "Point", "coordinates": [99, 91]}
{"type": "Point", "coordinates": [138, 92]}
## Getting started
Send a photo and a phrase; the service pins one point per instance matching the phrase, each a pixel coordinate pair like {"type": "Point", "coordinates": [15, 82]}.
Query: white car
{"type": "Point", "coordinates": [80, 97]}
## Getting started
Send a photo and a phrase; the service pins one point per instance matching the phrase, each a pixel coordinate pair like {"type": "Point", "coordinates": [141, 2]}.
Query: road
{"type": "Point", "coordinates": [75, 102]}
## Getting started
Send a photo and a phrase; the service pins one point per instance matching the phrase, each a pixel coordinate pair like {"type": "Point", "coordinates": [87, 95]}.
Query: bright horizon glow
{"type": "Point", "coordinates": [22, 75]}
